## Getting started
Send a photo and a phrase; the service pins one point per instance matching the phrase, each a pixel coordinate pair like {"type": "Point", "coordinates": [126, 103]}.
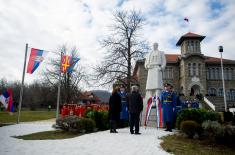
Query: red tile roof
{"type": "Point", "coordinates": [189, 35]}
{"type": "Point", "coordinates": [172, 57]}
{"type": "Point", "coordinates": [217, 60]}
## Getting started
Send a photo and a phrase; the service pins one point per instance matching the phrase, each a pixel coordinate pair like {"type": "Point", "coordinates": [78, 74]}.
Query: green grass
{"type": "Point", "coordinates": [179, 145]}
{"type": "Point", "coordinates": [26, 116]}
{"type": "Point", "coordinates": [49, 135]}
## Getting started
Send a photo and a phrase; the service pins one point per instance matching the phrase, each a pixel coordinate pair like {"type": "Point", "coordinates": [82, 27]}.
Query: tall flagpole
{"type": "Point", "coordinates": [58, 94]}
{"type": "Point", "coordinates": [22, 84]}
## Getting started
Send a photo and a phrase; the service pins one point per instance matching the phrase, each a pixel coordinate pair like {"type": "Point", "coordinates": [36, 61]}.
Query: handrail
{"type": "Point", "coordinates": [211, 105]}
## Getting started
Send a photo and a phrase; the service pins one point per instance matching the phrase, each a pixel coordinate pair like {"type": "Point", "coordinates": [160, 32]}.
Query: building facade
{"type": "Point", "coordinates": [191, 72]}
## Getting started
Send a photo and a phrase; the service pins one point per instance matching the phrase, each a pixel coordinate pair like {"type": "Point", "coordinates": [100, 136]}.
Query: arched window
{"type": "Point", "coordinates": [194, 69]}
{"type": "Point", "coordinates": [221, 92]}
{"type": "Point", "coordinates": [212, 92]}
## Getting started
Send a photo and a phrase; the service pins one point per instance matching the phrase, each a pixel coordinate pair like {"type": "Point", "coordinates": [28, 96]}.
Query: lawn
{"type": "Point", "coordinates": [26, 116]}
{"type": "Point", "coordinates": [179, 145]}
{"type": "Point", "coordinates": [46, 135]}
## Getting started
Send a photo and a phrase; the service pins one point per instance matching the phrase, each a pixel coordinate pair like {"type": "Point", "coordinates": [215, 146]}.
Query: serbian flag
{"type": "Point", "coordinates": [66, 63]}
{"type": "Point", "coordinates": [186, 19]}
{"type": "Point", "coordinates": [72, 64]}
{"type": "Point", "coordinates": [36, 57]}
{"type": "Point", "coordinates": [7, 101]}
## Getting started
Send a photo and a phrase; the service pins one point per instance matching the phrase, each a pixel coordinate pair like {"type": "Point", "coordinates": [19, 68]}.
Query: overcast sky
{"type": "Point", "coordinates": [81, 23]}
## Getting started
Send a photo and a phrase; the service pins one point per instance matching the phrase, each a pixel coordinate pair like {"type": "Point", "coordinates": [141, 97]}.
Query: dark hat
{"type": "Point", "coordinates": [166, 85]}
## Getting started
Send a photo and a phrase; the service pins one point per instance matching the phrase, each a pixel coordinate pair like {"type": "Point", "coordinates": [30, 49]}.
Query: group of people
{"type": "Point", "coordinates": [134, 106]}
{"type": "Point", "coordinates": [125, 106]}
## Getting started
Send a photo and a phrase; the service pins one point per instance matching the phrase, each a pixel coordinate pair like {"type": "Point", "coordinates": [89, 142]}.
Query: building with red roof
{"type": "Point", "coordinates": [191, 72]}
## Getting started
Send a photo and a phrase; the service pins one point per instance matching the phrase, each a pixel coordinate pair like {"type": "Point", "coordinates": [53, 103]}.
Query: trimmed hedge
{"type": "Point", "coordinates": [101, 118]}
{"type": "Point", "coordinates": [197, 115]}
{"type": "Point", "coordinates": [189, 128]}
{"type": "Point", "coordinates": [76, 124]}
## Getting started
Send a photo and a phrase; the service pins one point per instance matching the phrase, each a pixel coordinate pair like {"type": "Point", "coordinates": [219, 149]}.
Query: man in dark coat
{"type": "Point", "coordinates": [114, 109]}
{"type": "Point", "coordinates": [135, 105]}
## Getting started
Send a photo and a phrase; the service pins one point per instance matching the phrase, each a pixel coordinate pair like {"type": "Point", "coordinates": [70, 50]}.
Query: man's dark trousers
{"type": "Point", "coordinates": [134, 121]}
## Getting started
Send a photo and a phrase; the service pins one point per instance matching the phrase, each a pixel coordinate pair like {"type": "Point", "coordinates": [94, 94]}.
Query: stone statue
{"type": "Point", "coordinates": [155, 63]}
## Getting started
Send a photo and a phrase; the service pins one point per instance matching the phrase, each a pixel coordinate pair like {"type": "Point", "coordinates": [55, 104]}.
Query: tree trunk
{"type": "Point", "coordinates": [129, 66]}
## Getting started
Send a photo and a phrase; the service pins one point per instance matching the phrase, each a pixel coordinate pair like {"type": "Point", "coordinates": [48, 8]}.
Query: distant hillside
{"type": "Point", "coordinates": [102, 94]}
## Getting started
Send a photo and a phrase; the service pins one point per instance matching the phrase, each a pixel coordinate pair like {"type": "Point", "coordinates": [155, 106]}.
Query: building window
{"type": "Point", "coordinates": [208, 73]}
{"type": "Point", "coordinates": [189, 69]}
{"type": "Point", "coordinates": [231, 95]}
{"type": "Point", "coordinates": [216, 73]}
{"type": "Point", "coordinates": [191, 46]}
{"type": "Point", "coordinates": [226, 73]}
{"type": "Point", "coordinates": [199, 70]}
{"type": "Point", "coordinates": [230, 71]}
{"type": "Point", "coordinates": [212, 92]}
{"type": "Point", "coordinates": [194, 69]}
{"type": "Point", "coordinates": [212, 73]}
{"type": "Point", "coordinates": [221, 92]}
{"type": "Point", "coordinates": [168, 73]}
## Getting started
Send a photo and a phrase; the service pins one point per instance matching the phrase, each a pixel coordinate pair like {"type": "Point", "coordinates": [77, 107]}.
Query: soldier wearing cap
{"type": "Point", "coordinates": [168, 100]}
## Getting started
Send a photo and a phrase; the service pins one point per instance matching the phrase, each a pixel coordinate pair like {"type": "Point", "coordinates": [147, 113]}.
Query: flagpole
{"type": "Point", "coordinates": [58, 94]}
{"type": "Point", "coordinates": [22, 84]}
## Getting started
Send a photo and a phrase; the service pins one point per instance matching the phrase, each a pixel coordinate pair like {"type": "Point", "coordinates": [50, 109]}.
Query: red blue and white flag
{"type": "Point", "coordinates": [35, 59]}
{"type": "Point", "coordinates": [7, 100]}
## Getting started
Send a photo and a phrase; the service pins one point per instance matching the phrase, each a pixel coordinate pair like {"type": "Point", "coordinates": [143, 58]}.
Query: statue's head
{"type": "Point", "coordinates": [155, 46]}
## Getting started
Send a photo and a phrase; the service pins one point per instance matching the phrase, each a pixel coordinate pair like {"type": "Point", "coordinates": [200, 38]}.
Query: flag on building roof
{"type": "Point", "coordinates": [72, 64]}
{"type": "Point", "coordinates": [7, 100]}
{"type": "Point", "coordinates": [65, 64]}
{"type": "Point", "coordinates": [35, 59]}
{"type": "Point", "coordinates": [186, 19]}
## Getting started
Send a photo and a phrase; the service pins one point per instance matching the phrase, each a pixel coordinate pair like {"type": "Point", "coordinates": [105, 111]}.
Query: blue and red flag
{"type": "Point", "coordinates": [7, 100]}
{"type": "Point", "coordinates": [65, 64]}
{"type": "Point", "coordinates": [68, 63]}
{"type": "Point", "coordinates": [36, 57]}
{"type": "Point", "coordinates": [72, 64]}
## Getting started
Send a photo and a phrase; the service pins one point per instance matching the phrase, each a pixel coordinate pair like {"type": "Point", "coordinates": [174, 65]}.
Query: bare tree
{"type": "Point", "coordinates": [69, 81]}
{"type": "Point", "coordinates": [123, 46]}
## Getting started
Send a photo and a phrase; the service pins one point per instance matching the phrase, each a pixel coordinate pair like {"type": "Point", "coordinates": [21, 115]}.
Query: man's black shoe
{"type": "Point", "coordinates": [166, 130]}
{"type": "Point", "coordinates": [132, 133]}
{"type": "Point", "coordinates": [137, 133]}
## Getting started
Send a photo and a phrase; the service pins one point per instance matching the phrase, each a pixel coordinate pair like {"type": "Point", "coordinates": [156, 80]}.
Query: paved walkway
{"type": "Point", "coordinates": [100, 143]}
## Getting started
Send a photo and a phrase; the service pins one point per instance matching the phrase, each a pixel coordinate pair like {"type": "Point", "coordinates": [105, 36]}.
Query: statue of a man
{"type": "Point", "coordinates": [155, 63]}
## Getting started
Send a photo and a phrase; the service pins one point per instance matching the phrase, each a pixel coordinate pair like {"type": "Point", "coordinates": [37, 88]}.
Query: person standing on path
{"type": "Point", "coordinates": [114, 109]}
{"type": "Point", "coordinates": [124, 115]}
{"type": "Point", "coordinates": [168, 101]}
{"type": "Point", "coordinates": [135, 106]}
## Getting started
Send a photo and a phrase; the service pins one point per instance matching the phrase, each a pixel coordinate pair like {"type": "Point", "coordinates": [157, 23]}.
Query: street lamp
{"type": "Point", "coordinates": [222, 71]}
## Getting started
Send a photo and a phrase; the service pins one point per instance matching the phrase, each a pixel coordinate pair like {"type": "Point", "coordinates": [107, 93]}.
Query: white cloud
{"type": "Point", "coordinates": [48, 24]}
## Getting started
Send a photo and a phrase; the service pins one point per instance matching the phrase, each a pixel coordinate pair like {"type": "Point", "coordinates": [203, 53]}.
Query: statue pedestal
{"type": "Point", "coordinates": [152, 122]}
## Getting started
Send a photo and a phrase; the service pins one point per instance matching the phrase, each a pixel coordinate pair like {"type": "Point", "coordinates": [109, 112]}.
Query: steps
{"type": "Point", "coordinates": [217, 101]}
